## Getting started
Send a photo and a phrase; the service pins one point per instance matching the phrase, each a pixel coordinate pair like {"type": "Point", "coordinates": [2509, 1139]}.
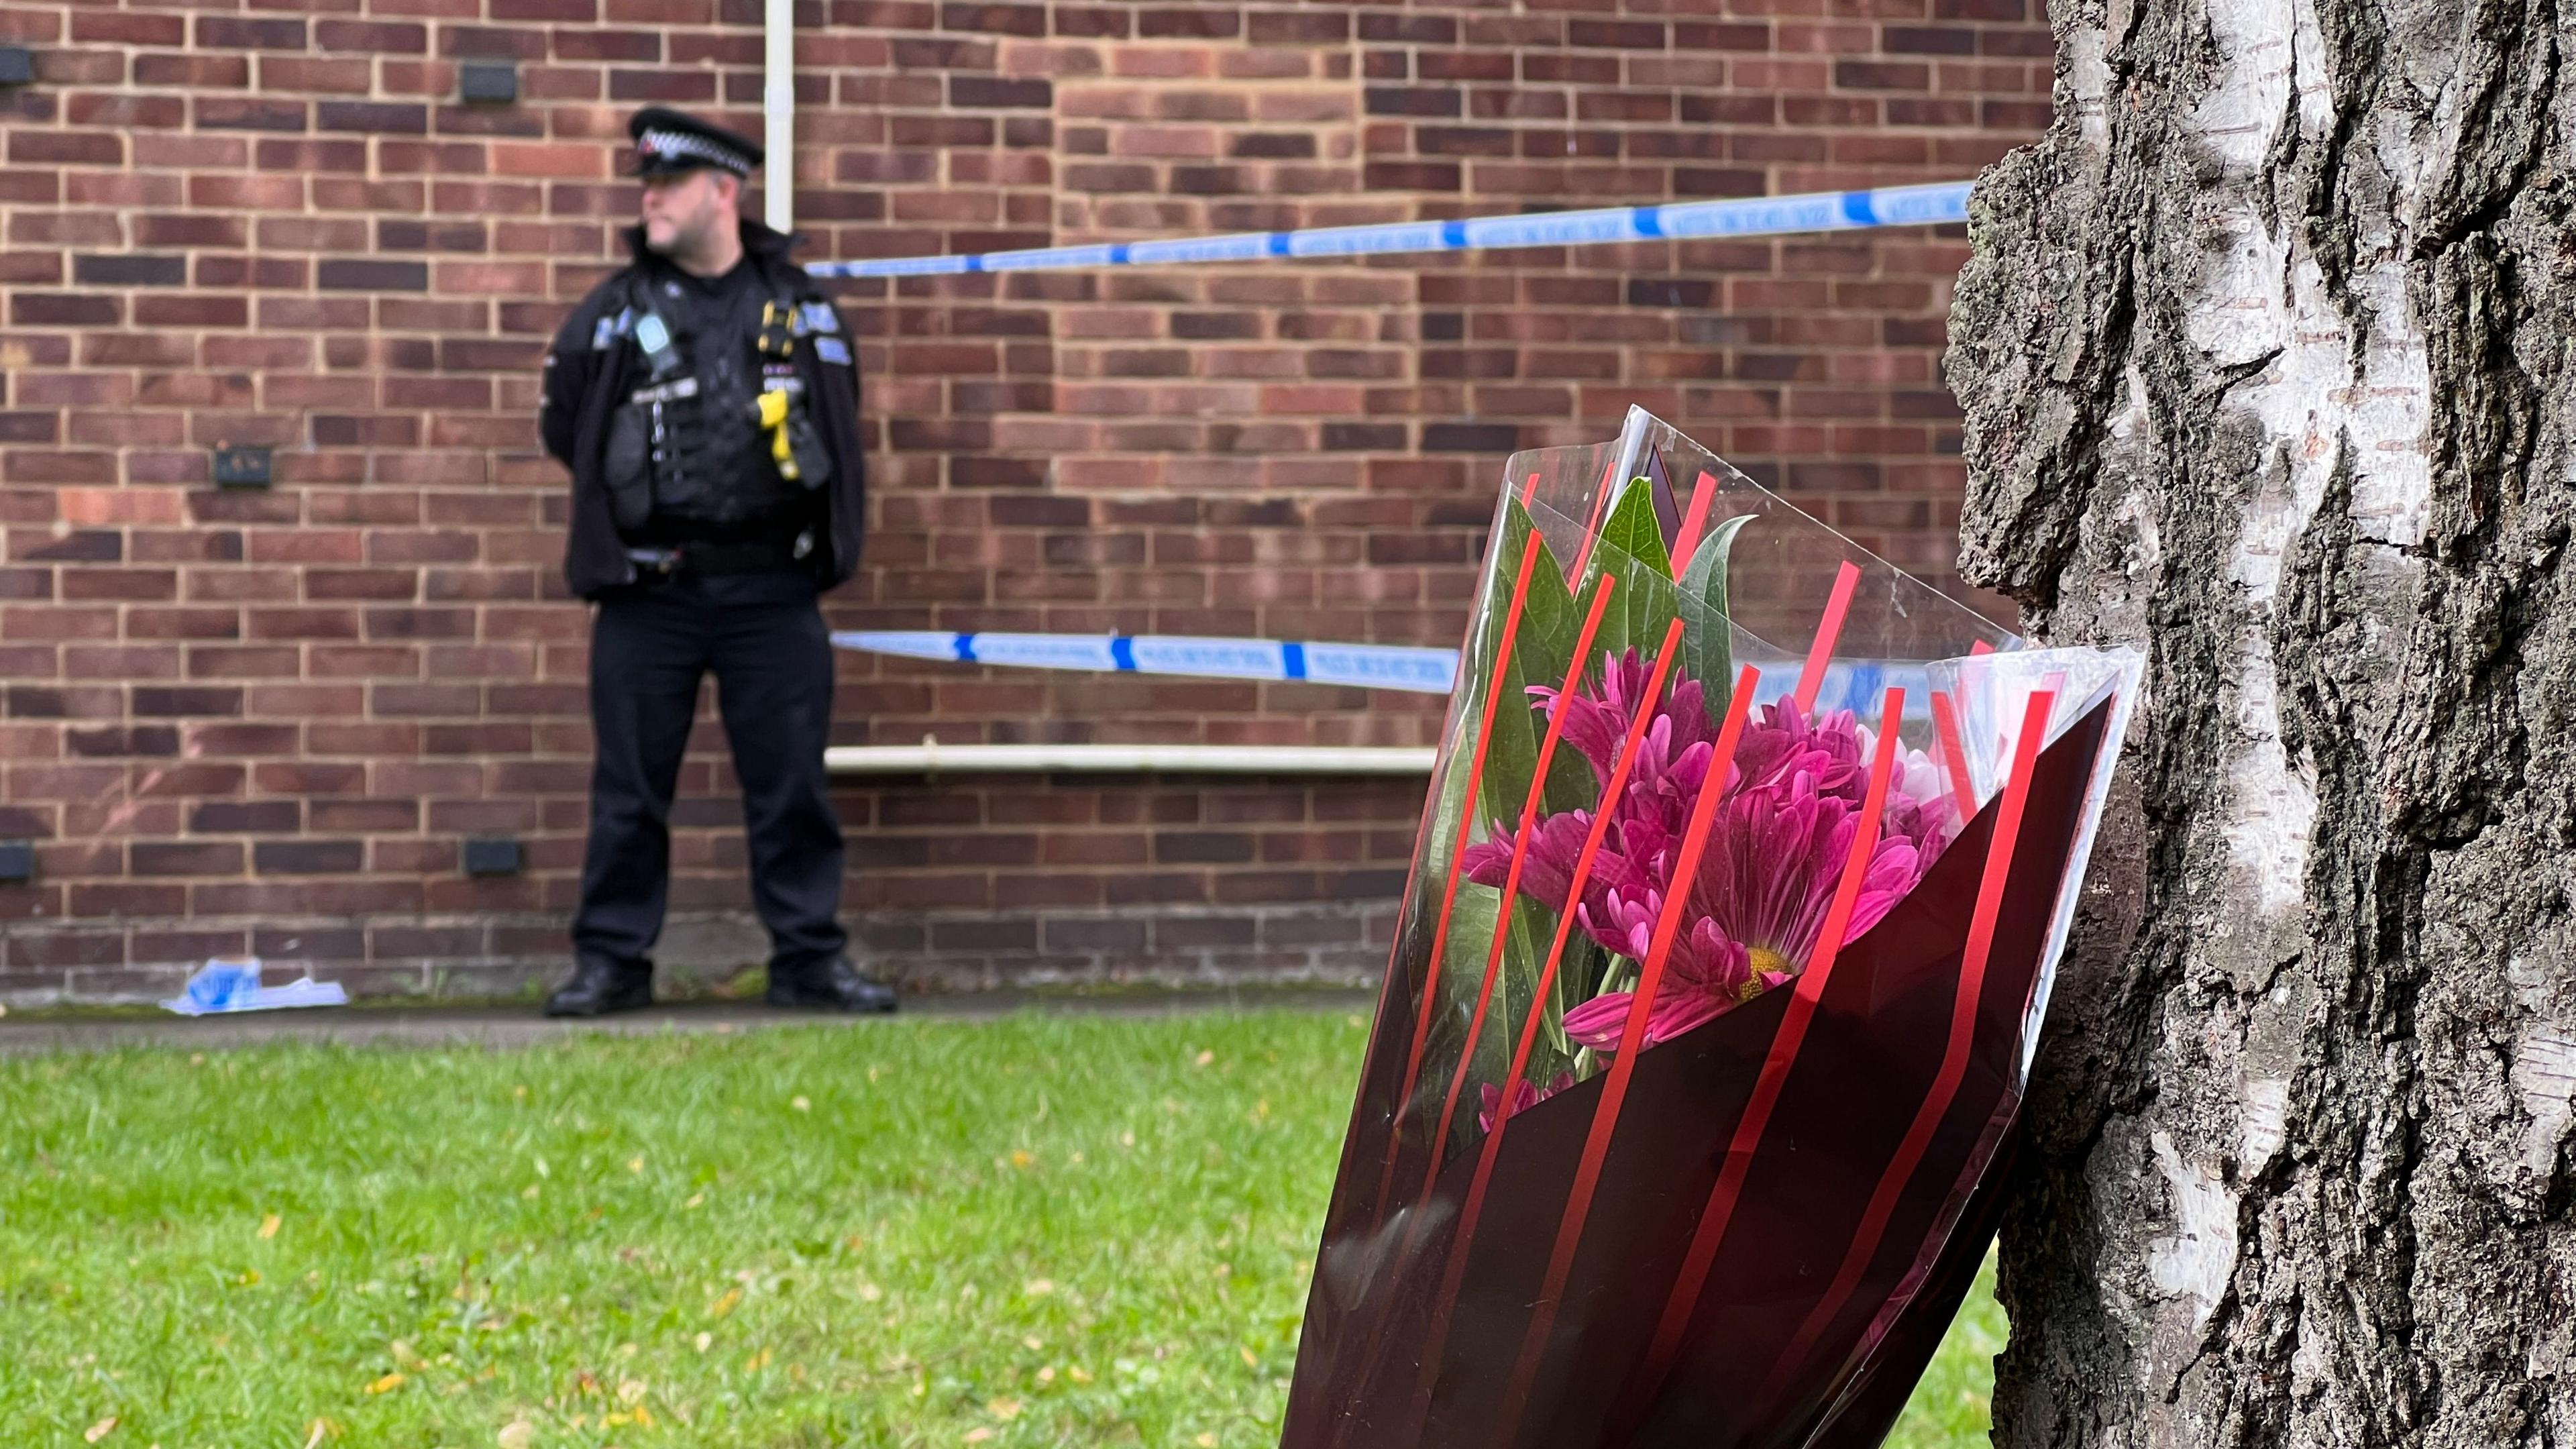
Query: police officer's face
{"type": "Point", "coordinates": [680, 213]}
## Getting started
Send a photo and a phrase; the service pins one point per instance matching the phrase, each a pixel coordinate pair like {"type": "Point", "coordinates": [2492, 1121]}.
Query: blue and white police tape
{"type": "Point", "coordinates": [1675, 221]}
{"type": "Point", "coordinates": [1848, 684]}
{"type": "Point", "coordinates": [1369, 666]}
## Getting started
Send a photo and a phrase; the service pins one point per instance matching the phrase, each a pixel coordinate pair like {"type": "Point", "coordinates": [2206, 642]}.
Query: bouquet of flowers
{"type": "Point", "coordinates": [1715, 985]}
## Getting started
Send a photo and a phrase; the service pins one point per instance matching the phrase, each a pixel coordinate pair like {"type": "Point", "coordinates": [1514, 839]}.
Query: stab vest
{"type": "Point", "coordinates": [694, 453]}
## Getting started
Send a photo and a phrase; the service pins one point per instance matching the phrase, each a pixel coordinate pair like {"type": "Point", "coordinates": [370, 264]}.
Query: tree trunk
{"type": "Point", "coordinates": [2265, 357]}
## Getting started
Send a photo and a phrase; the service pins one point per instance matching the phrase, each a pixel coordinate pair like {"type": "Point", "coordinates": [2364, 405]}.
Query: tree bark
{"type": "Point", "coordinates": [2265, 353]}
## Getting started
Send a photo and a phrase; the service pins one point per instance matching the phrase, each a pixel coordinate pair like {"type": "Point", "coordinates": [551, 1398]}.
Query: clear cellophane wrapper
{"type": "Point", "coordinates": [1710, 1166]}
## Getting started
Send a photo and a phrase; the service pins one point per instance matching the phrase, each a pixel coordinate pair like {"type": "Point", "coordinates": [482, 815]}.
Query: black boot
{"type": "Point", "coordinates": [598, 988]}
{"type": "Point", "coordinates": [837, 986]}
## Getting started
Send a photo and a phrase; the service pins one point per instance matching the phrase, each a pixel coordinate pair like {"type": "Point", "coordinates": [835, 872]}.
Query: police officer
{"type": "Point", "coordinates": [706, 398]}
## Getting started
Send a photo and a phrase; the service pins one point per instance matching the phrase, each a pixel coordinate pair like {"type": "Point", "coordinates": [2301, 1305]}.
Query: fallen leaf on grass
{"type": "Point", "coordinates": [726, 1304]}
{"type": "Point", "coordinates": [520, 1434]}
{"type": "Point", "coordinates": [802, 1104]}
{"type": "Point", "coordinates": [1039, 1287]}
{"type": "Point", "coordinates": [1078, 1374]}
{"type": "Point", "coordinates": [1250, 1359]}
{"type": "Point", "coordinates": [269, 1225]}
{"type": "Point", "coordinates": [978, 1436]}
{"type": "Point", "coordinates": [1205, 1057]}
{"type": "Point", "coordinates": [1205, 1441]}
{"type": "Point", "coordinates": [388, 1383]}
{"type": "Point", "coordinates": [1004, 1409]}
{"type": "Point", "coordinates": [704, 1339]}
{"type": "Point", "coordinates": [100, 1430]}
{"type": "Point", "coordinates": [635, 1164]}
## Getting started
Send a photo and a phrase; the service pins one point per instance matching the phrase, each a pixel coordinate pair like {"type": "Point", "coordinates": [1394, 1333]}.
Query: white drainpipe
{"type": "Point", "coordinates": [930, 757]}
{"type": "Point", "coordinates": [778, 109]}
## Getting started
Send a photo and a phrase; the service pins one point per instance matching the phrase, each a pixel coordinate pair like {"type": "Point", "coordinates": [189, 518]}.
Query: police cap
{"type": "Point", "coordinates": [668, 142]}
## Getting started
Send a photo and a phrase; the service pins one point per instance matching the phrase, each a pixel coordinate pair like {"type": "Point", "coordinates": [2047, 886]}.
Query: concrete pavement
{"type": "Point", "coordinates": [520, 1025]}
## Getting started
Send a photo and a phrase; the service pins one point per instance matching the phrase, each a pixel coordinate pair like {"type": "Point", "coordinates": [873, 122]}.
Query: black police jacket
{"type": "Point", "coordinates": [595, 365]}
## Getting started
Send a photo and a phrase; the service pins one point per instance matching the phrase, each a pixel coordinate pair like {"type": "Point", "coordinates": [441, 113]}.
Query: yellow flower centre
{"type": "Point", "coordinates": [1765, 961]}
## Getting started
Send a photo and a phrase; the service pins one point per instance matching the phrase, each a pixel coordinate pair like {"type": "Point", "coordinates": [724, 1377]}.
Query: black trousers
{"type": "Point", "coordinates": [650, 644]}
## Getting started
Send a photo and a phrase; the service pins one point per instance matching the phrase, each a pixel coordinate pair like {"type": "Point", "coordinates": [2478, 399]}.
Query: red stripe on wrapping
{"type": "Point", "coordinates": [1502, 924]}
{"type": "Point", "coordinates": [1466, 834]}
{"type": "Point", "coordinates": [1954, 754]}
{"type": "Point", "coordinates": [1455, 1273]}
{"type": "Point", "coordinates": [1703, 493]}
{"type": "Point", "coordinates": [1954, 1058]}
{"type": "Point", "coordinates": [1821, 653]}
{"type": "Point", "coordinates": [1980, 648]}
{"type": "Point", "coordinates": [1512, 879]}
{"type": "Point", "coordinates": [1632, 1040]}
{"type": "Point", "coordinates": [1412, 874]}
{"type": "Point", "coordinates": [1600, 506]}
{"type": "Point", "coordinates": [1785, 1041]}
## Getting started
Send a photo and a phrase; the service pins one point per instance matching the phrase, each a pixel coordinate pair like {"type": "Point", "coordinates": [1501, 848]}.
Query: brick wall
{"type": "Point", "coordinates": [265, 719]}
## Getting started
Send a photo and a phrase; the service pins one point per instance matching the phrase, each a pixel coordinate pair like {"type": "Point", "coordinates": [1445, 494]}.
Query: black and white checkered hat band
{"type": "Point", "coordinates": [669, 145]}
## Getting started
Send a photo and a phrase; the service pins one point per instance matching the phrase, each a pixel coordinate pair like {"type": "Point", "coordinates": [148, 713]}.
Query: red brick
{"type": "Point", "coordinates": [189, 858]}
{"type": "Point", "coordinates": [196, 72]}
{"type": "Point", "coordinates": [1288, 451]}
{"type": "Point", "coordinates": [308, 857]}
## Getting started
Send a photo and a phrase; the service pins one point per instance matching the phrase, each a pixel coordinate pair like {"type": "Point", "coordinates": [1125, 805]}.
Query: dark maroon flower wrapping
{"type": "Point", "coordinates": [1766, 1355]}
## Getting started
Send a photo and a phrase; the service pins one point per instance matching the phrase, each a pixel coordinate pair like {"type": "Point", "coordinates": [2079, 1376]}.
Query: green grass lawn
{"type": "Point", "coordinates": [1047, 1230]}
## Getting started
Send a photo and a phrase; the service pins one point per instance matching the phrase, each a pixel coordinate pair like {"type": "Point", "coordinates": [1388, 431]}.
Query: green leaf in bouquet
{"type": "Point", "coordinates": [1462, 976]}
{"type": "Point", "coordinates": [1631, 546]}
{"type": "Point", "coordinates": [1578, 980]}
{"type": "Point", "coordinates": [1541, 650]}
{"type": "Point", "coordinates": [1633, 529]}
{"type": "Point", "coordinates": [1439, 842]}
{"type": "Point", "coordinates": [1512, 748]}
{"type": "Point", "coordinates": [1516, 991]}
{"type": "Point", "coordinates": [1708, 646]}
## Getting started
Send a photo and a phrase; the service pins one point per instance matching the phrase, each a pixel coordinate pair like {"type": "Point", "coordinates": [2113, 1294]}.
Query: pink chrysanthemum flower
{"type": "Point", "coordinates": [1774, 857]}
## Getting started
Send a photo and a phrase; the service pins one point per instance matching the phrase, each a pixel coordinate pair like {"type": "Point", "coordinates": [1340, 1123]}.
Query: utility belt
{"type": "Point", "coordinates": [720, 560]}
